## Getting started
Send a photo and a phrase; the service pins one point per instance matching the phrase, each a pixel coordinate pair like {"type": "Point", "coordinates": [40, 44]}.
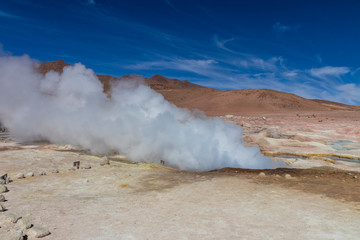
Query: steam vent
{"type": "Point", "coordinates": [158, 120]}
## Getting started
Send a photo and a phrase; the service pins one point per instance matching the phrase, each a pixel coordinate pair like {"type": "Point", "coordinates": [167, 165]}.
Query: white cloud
{"type": "Point", "coordinates": [329, 71]}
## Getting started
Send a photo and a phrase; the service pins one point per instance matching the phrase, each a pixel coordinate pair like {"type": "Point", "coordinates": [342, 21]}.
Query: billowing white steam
{"type": "Point", "coordinates": [71, 108]}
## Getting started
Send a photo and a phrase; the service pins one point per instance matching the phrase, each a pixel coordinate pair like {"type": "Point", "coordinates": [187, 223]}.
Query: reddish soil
{"type": "Point", "coordinates": [327, 181]}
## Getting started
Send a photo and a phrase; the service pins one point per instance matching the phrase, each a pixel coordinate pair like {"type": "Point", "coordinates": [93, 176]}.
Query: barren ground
{"type": "Point", "coordinates": [126, 200]}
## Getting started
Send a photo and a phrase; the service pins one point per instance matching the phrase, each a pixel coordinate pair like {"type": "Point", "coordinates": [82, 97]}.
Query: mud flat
{"type": "Point", "coordinates": [126, 200]}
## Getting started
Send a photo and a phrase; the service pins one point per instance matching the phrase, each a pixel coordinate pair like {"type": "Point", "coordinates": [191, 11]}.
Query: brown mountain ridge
{"type": "Point", "coordinates": [219, 102]}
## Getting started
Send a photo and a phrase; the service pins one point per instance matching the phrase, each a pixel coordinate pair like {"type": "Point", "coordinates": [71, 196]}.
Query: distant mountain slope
{"type": "Point", "coordinates": [240, 102]}
{"type": "Point", "coordinates": [217, 102]}
{"type": "Point", "coordinates": [56, 66]}
{"type": "Point", "coordinates": [159, 82]}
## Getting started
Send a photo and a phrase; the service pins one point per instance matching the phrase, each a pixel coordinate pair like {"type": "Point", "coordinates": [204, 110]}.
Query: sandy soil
{"type": "Point", "coordinates": [125, 200]}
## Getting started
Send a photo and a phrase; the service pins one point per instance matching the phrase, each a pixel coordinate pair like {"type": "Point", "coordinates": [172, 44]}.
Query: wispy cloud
{"type": "Point", "coordinates": [271, 64]}
{"type": "Point", "coordinates": [202, 67]}
{"type": "Point", "coordinates": [171, 5]}
{"type": "Point", "coordinates": [316, 83]}
{"type": "Point", "coordinates": [223, 64]}
{"type": "Point", "coordinates": [177, 63]}
{"type": "Point", "coordinates": [168, 2]}
{"type": "Point", "coordinates": [349, 93]}
{"type": "Point", "coordinates": [220, 43]}
{"type": "Point", "coordinates": [318, 58]}
{"type": "Point", "coordinates": [278, 27]}
{"type": "Point", "coordinates": [9, 15]}
{"type": "Point", "coordinates": [91, 2]}
{"type": "Point", "coordinates": [329, 71]}
{"type": "Point", "coordinates": [291, 73]}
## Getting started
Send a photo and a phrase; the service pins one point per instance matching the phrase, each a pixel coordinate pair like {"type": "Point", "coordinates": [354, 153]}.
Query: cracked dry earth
{"type": "Point", "coordinates": [125, 200]}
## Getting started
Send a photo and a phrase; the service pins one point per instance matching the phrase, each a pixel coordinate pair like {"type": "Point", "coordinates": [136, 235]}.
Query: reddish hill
{"type": "Point", "coordinates": [217, 102]}
{"type": "Point", "coordinates": [247, 101]}
{"type": "Point", "coordinates": [159, 82]}
{"type": "Point", "coordinates": [56, 66]}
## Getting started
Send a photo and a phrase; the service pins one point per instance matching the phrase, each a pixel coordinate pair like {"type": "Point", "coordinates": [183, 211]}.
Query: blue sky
{"type": "Point", "coordinates": [310, 48]}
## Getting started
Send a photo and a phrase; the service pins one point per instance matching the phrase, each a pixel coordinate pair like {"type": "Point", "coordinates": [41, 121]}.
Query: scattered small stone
{"type": "Point", "coordinates": [104, 161]}
{"type": "Point", "coordinates": [355, 177]}
{"type": "Point", "coordinates": [13, 235]}
{"type": "Point", "coordinates": [42, 173]}
{"type": "Point", "coordinates": [18, 235]}
{"type": "Point", "coordinates": [11, 217]}
{"type": "Point", "coordinates": [25, 223]}
{"type": "Point", "coordinates": [2, 209]}
{"type": "Point", "coordinates": [2, 198]}
{"type": "Point", "coordinates": [3, 189]}
{"type": "Point", "coordinates": [38, 232]}
{"type": "Point", "coordinates": [76, 164]}
{"type": "Point", "coordinates": [8, 180]}
{"type": "Point", "coordinates": [349, 173]}
{"type": "Point", "coordinates": [264, 118]}
{"type": "Point", "coordinates": [3, 176]}
{"type": "Point", "coordinates": [20, 175]}
{"type": "Point", "coordinates": [2, 181]}
{"type": "Point", "coordinates": [87, 166]}
{"type": "Point", "coordinates": [30, 174]}
{"type": "Point", "coordinates": [277, 176]}
{"type": "Point", "coordinates": [262, 174]}
{"type": "Point", "coordinates": [55, 171]}
{"type": "Point", "coordinates": [72, 169]}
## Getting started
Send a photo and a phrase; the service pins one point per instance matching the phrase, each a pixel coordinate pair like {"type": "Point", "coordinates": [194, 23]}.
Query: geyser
{"type": "Point", "coordinates": [71, 108]}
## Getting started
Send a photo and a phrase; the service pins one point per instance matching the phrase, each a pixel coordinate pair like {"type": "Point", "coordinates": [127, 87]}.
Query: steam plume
{"type": "Point", "coordinates": [70, 108]}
